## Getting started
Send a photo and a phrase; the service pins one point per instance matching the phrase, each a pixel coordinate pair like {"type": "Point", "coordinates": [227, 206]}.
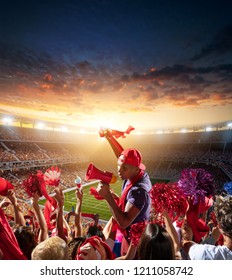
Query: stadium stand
{"type": "Point", "coordinates": [23, 150]}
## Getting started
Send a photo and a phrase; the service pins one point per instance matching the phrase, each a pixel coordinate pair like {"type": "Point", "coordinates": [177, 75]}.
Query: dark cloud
{"type": "Point", "coordinates": [182, 73]}
{"type": "Point", "coordinates": [23, 69]}
{"type": "Point", "coordinates": [183, 85]}
{"type": "Point", "coordinates": [221, 45]}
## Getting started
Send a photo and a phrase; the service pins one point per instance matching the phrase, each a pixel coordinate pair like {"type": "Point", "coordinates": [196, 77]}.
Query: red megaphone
{"type": "Point", "coordinates": [105, 176]}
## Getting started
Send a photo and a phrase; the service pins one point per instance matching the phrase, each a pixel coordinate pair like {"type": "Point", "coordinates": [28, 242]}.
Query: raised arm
{"type": "Point", "coordinates": [116, 147]}
{"type": "Point", "coordinates": [59, 196]}
{"type": "Point", "coordinates": [187, 237]}
{"type": "Point", "coordinates": [18, 214]}
{"type": "Point", "coordinates": [43, 232]}
{"type": "Point", "coordinates": [123, 218]}
{"type": "Point", "coordinates": [172, 232]}
{"type": "Point", "coordinates": [4, 203]}
{"type": "Point", "coordinates": [78, 225]}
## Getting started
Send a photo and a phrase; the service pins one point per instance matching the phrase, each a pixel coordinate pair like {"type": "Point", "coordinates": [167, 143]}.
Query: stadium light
{"type": "Point", "coordinates": [183, 130]}
{"type": "Point", "coordinates": [64, 129]}
{"type": "Point", "coordinates": [40, 125]}
{"type": "Point", "coordinates": [7, 120]}
{"type": "Point", "coordinates": [208, 128]}
{"type": "Point", "coordinates": [159, 132]}
{"type": "Point", "coordinates": [229, 124]}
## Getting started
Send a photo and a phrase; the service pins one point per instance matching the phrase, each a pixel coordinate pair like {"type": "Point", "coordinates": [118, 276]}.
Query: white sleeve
{"type": "Point", "coordinates": [197, 252]}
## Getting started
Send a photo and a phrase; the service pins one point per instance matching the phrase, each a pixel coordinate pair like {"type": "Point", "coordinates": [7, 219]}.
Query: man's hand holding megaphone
{"type": "Point", "coordinates": [104, 190]}
{"type": "Point", "coordinates": [106, 178]}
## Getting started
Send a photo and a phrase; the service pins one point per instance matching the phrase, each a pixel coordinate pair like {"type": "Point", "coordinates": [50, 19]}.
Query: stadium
{"type": "Point", "coordinates": [26, 148]}
{"type": "Point", "coordinates": [137, 91]}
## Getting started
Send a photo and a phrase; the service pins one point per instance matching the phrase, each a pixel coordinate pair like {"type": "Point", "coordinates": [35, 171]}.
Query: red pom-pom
{"type": "Point", "coordinates": [136, 231]}
{"type": "Point", "coordinates": [170, 197]}
{"type": "Point", "coordinates": [33, 184]}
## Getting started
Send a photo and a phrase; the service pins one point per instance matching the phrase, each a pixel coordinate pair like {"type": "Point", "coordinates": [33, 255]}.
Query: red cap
{"type": "Point", "coordinates": [132, 157]}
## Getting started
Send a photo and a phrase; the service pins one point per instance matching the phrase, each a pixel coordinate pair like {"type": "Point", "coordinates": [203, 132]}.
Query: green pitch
{"type": "Point", "coordinates": [90, 204]}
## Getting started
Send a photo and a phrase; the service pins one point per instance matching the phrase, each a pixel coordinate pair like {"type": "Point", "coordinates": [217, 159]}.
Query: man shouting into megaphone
{"type": "Point", "coordinates": [134, 205]}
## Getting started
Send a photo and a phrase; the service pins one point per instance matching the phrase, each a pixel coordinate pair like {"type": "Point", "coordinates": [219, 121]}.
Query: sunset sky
{"type": "Point", "coordinates": [149, 64]}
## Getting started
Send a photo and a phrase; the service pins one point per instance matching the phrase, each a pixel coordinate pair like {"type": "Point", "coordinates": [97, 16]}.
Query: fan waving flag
{"type": "Point", "coordinates": [52, 176]}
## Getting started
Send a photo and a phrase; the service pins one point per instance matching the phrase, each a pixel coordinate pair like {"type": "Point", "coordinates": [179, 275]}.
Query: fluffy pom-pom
{"type": "Point", "coordinates": [228, 187]}
{"type": "Point", "coordinates": [136, 231]}
{"type": "Point", "coordinates": [196, 184]}
{"type": "Point", "coordinates": [33, 184]}
{"type": "Point", "coordinates": [52, 176]}
{"type": "Point", "coordinates": [169, 197]}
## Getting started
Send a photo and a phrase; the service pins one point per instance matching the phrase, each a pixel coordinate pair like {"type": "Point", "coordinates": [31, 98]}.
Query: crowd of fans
{"type": "Point", "coordinates": [73, 236]}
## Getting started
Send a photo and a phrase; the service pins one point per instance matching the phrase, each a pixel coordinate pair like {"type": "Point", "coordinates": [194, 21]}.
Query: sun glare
{"type": "Point", "coordinates": [7, 120]}
{"type": "Point", "coordinates": [82, 131]}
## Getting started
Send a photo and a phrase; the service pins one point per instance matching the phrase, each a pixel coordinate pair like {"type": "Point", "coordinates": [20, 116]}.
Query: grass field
{"type": "Point", "coordinates": [90, 204]}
